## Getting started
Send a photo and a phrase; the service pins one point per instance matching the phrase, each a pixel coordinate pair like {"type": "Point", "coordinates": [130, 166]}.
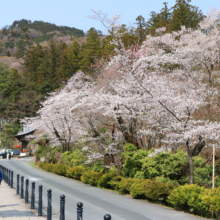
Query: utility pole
{"type": "Point", "coordinates": [213, 172]}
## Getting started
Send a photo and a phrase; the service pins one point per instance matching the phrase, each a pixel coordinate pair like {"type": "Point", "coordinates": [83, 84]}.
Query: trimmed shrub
{"type": "Point", "coordinates": [91, 177]}
{"type": "Point", "coordinates": [75, 172]}
{"type": "Point", "coordinates": [115, 181]}
{"type": "Point", "coordinates": [48, 167]}
{"type": "Point", "coordinates": [151, 190]}
{"type": "Point", "coordinates": [189, 198]}
{"type": "Point", "coordinates": [60, 169]}
{"type": "Point", "coordinates": [122, 184]}
{"type": "Point", "coordinates": [211, 199]}
{"type": "Point", "coordinates": [41, 164]}
{"type": "Point", "coordinates": [105, 179]}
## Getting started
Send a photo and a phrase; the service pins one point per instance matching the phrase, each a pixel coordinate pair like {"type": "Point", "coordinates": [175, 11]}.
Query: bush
{"type": "Point", "coordinates": [168, 164]}
{"type": "Point", "coordinates": [202, 172]}
{"type": "Point", "coordinates": [163, 179]}
{"type": "Point", "coordinates": [151, 190]}
{"type": "Point", "coordinates": [91, 177]}
{"type": "Point", "coordinates": [188, 197]}
{"type": "Point", "coordinates": [43, 150]}
{"type": "Point", "coordinates": [48, 167]}
{"type": "Point", "coordinates": [115, 181]}
{"type": "Point", "coordinates": [74, 158]}
{"type": "Point", "coordinates": [105, 179]}
{"type": "Point", "coordinates": [75, 172]}
{"type": "Point", "coordinates": [211, 199]}
{"type": "Point", "coordinates": [98, 167]}
{"type": "Point", "coordinates": [122, 184]}
{"type": "Point", "coordinates": [41, 164]}
{"type": "Point", "coordinates": [132, 159]}
{"type": "Point", "coordinates": [60, 169]}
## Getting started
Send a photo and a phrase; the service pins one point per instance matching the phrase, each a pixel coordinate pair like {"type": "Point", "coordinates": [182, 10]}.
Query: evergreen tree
{"type": "Point", "coordinates": [7, 134]}
{"type": "Point", "coordinates": [184, 14]}
{"type": "Point", "coordinates": [181, 14]}
{"type": "Point", "coordinates": [90, 50]}
{"type": "Point", "coordinates": [32, 64]}
{"type": "Point", "coordinates": [8, 53]}
{"type": "Point", "coordinates": [23, 43]}
{"type": "Point", "coordinates": [70, 59]}
{"type": "Point", "coordinates": [153, 23]}
{"type": "Point", "coordinates": [159, 20]}
{"type": "Point", "coordinates": [140, 30]}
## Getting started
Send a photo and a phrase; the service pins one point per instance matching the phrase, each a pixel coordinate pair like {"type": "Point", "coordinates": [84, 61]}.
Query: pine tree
{"type": "Point", "coordinates": [23, 43]}
{"type": "Point", "coordinates": [69, 63]}
{"type": "Point", "coordinates": [181, 14]}
{"type": "Point", "coordinates": [140, 30]}
{"type": "Point", "coordinates": [90, 50]}
{"type": "Point", "coordinates": [184, 14]}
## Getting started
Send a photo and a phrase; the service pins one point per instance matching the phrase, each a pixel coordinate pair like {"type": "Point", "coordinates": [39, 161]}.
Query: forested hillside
{"type": "Point", "coordinates": [38, 31]}
{"type": "Point", "coordinates": [46, 27]}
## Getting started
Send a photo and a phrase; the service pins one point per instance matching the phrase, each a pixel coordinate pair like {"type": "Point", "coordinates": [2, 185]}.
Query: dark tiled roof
{"type": "Point", "coordinates": [22, 133]}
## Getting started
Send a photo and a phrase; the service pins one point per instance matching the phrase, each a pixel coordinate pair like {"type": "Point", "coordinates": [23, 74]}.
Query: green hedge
{"type": "Point", "coordinates": [151, 190]}
{"type": "Point", "coordinates": [75, 172]}
{"type": "Point", "coordinates": [91, 177]}
{"type": "Point", "coordinates": [48, 167]}
{"type": "Point", "coordinates": [188, 198]}
{"type": "Point", "coordinates": [60, 169]}
{"type": "Point", "coordinates": [104, 181]}
{"type": "Point", "coordinates": [191, 198]}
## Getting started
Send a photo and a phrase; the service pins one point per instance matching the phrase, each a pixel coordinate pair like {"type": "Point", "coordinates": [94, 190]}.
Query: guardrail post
{"type": "Point", "coordinates": [49, 203]}
{"type": "Point", "coordinates": [40, 201]}
{"type": "Point", "coordinates": [27, 191]}
{"type": "Point", "coordinates": [22, 187]}
{"type": "Point", "coordinates": [33, 195]}
{"type": "Point", "coordinates": [79, 211]}
{"type": "Point", "coordinates": [62, 207]}
{"type": "Point", "coordinates": [9, 175]}
{"type": "Point", "coordinates": [12, 173]}
{"type": "Point", "coordinates": [107, 217]}
{"type": "Point", "coordinates": [17, 184]}
{"type": "Point", "coordinates": [4, 174]}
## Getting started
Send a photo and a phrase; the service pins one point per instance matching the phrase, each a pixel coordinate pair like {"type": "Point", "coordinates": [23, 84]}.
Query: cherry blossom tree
{"type": "Point", "coordinates": [165, 90]}
{"type": "Point", "coordinates": [55, 118]}
{"type": "Point", "coordinates": [167, 85]}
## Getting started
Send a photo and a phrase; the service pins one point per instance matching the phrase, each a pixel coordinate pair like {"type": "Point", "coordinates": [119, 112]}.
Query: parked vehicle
{"type": "Point", "coordinates": [3, 155]}
{"type": "Point", "coordinates": [15, 152]}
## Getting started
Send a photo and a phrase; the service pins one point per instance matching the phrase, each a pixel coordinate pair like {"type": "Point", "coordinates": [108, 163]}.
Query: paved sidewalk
{"type": "Point", "coordinates": [14, 208]}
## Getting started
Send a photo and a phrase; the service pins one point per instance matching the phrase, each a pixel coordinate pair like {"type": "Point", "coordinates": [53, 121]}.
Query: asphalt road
{"type": "Point", "coordinates": [96, 202]}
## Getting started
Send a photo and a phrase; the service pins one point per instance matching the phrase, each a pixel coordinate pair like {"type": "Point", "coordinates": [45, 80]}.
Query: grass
{"type": "Point", "coordinates": [33, 165]}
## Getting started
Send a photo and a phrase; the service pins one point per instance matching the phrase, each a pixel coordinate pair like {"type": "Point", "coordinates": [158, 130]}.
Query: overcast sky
{"type": "Point", "coordinates": [74, 13]}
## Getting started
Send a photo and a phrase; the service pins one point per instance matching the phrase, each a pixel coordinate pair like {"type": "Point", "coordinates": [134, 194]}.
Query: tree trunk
{"type": "Point", "coordinates": [191, 168]}
{"type": "Point", "coordinates": [198, 148]}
